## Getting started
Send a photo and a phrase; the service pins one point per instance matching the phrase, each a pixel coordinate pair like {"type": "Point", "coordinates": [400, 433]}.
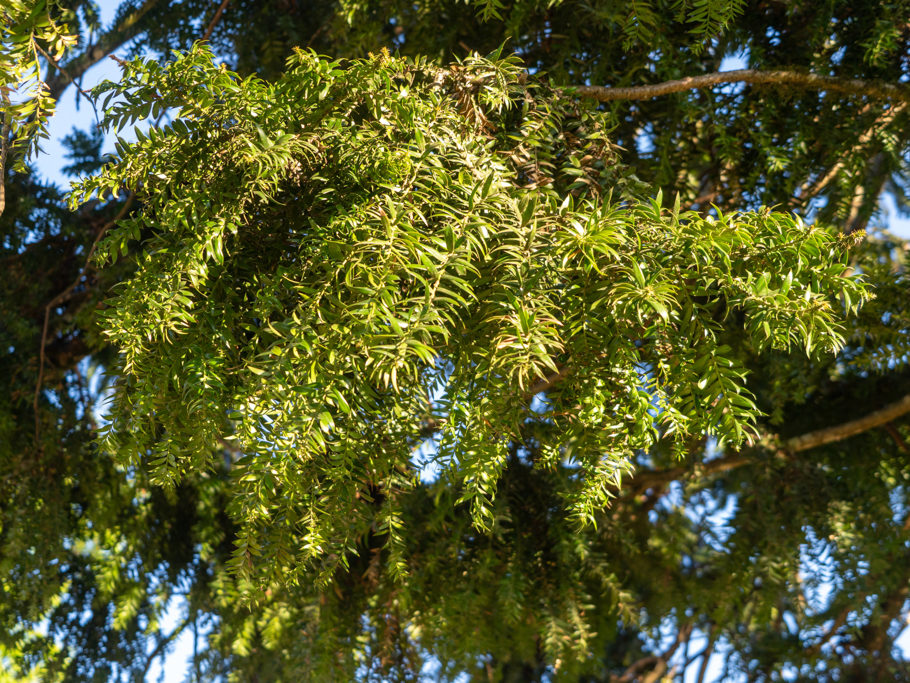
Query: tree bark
{"type": "Point", "coordinates": [821, 437]}
{"type": "Point", "coordinates": [781, 78]}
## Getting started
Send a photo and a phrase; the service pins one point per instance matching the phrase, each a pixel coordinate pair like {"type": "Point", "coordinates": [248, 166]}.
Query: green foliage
{"type": "Point", "coordinates": [363, 251]}
{"type": "Point", "coordinates": [28, 31]}
{"type": "Point", "coordinates": [411, 363]}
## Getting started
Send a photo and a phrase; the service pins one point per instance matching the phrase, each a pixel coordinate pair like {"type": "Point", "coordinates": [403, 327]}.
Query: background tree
{"type": "Point", "coordinates": [322, 278]}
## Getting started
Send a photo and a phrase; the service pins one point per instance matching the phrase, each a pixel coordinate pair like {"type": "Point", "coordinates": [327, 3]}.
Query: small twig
{"type": "Point", "coordinates": [162, 644]}
{"type": "Point", "coordinates": [838, 622]}
{"type": "Point", "coordinates": [53, 62]}
{"type": "Point", "coordinates": [795, 79]}
{"type": "Point", "coordinates": [127, 29]}
{"type": "Point", "coordinates": [214, 22]}
{"type": "Point", "coordinates": [61, 298]}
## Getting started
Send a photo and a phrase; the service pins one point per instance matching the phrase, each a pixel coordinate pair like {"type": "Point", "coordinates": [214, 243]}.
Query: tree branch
{"type": "Point", "coordinates": [808, 189]}
{"type": "Point", "coordinates": [106, 43]}
{"type": "Point", "coordinates": [874, 635]}
{"type": "Point", "coordinates": [896, 436]}
{"type": "Point", "coordinates": [550, 381]}
{"type": "Point", "coordinates": [646, 479]}
{"type": "Point", "coordinates": [62, 297]}
{"type": "Point", "coordinates": [4, 147]}
{"type": "Point", "coordinates": [163, 643]}
{"type": "Point", "coordinates": [706, 654]}
{"type": "Point", "coordinates": [793, 79]}
{"type": "Point", "coordinates": [62, 70]}
{"type": "Point", "coordinates": [631, 672]}
{"type": "Point", "coordinates": [836, 625]}
{"type": "Point", "coordinates": [642, 481]}
{"type": "Point", "coordinates": [214, 22]}
{"type": "Point", "coordinates": [821, 437]}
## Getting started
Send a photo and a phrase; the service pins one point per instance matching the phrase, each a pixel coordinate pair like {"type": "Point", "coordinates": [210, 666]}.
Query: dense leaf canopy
{"type": "Point", "coordinates": [408, 361]}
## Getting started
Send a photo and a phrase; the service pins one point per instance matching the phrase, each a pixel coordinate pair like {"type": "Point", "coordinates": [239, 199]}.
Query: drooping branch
{"type": "Point", "coordinates": [107, 42]}
{"type": "Point", "coordinates": [780, 78]}
{"type": "Point", "coordinates": [821, 437]}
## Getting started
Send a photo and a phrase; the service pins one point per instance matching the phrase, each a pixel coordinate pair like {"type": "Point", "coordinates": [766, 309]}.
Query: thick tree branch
{"type": "Point", "coordinates": [706, 654]}
{"type": "Point", "coordinates": [845, 430]}
{"type": "Point", "coordinates": [782, 78]}
{"type": "Point", "coordinates": [109, 41]}
{"type": "Point", "coordinates": [646, 479]}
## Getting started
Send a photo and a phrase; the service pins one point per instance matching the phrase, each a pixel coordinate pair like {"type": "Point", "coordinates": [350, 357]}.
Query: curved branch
{"type": "Point", "coordinates": [821, 437]}
{"type": "Point", "coordinates": [804, 442]}
{"type": "Point", "coordinates": [793, 79]}
{"type": "Point", "coordinates": [107, 42]}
